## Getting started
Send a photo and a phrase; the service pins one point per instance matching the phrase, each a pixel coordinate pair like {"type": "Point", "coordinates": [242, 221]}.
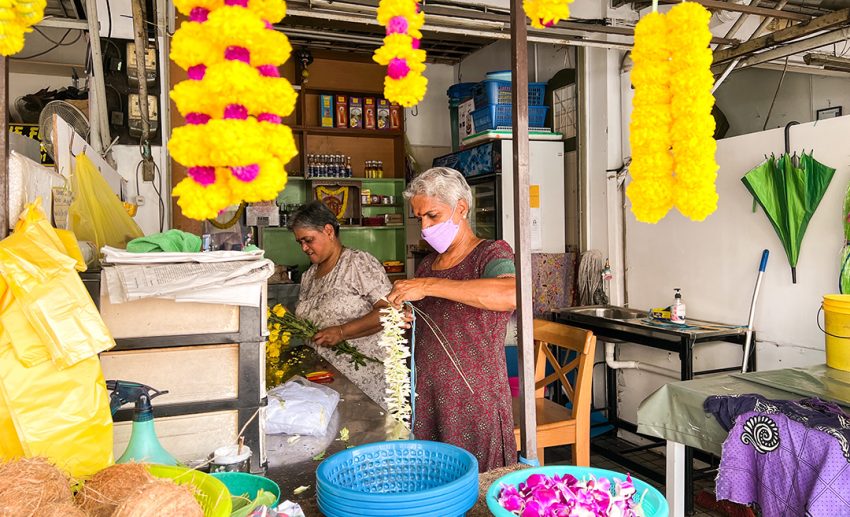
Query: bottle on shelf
{"type": "Point", "coordinates": [380, 169]}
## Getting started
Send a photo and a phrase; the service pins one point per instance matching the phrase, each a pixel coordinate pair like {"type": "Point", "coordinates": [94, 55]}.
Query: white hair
{"type": "Point", "coordinates": [443, 183]}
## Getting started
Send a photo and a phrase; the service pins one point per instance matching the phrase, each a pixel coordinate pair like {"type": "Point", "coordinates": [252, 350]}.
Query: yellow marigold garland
{"type": "Point", "coordinates": [16, 18]}
{"type": "Point", "coordinates": [546, 13]}
{"type": "Point", "coordinates": [234, 144]}
{"type": "Point", "coordinates": [400, 52]}
{"type": "Point", "coordinates": [692, 131]}
{"type": "Point", "coordinates": [672, 128]}
{"type": "Point", "coordinates": [651, 188]}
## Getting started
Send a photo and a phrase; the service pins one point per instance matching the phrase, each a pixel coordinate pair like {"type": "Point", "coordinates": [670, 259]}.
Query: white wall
{"type": "Point", "coordinates": [497, 56]}
{"type": "Point", "coordinates": [746, 95]}
{"type": "Point", "coordinates": [715, 262]}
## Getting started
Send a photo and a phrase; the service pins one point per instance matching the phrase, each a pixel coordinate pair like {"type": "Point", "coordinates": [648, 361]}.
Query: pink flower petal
{"type": "Point", "coordinates": [235, 111]}
{"type": "Point", "coordinates": [246, 173]}
{"type": "Point", "coordinates": [269, 71]}
{"type": "Point", "coordinates": [199, 14]}
{"type": "Point", "coordinates": [202, 175]}
{"type": "Point", "coordinates": [234, 53]}
{"type": "Point", "coordinates": [397, 68]}
{"type": "Point", "coordinates": [197, 72]}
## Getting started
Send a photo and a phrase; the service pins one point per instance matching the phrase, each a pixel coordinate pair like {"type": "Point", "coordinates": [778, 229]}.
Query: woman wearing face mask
{"type": "Point", "coordinates": [467, 290]}
{"type": "Point", "coordinates": [340, 293]}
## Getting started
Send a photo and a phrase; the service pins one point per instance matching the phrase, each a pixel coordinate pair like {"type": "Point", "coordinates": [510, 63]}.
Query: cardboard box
{"type": "Point", "coordinates": [383, 114]}
{"type": "Point", "coordinates": [341, 111]}
{"type": "Point", "coordinates": [369, 112]}
{"type": "Point", "coordinates": [355, 112]}
{"type": "Point", "coordinates": [395, 116]}
{"type": "Point", "coordinates": [326, 110]}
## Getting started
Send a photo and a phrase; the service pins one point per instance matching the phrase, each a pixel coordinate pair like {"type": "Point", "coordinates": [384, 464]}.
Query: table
{"type": "Point", "coordinates": [675, 413]}
{"type": "Point", "coordinates": [669, 337]}
{"type": "Point", "coordinates": [291, 465]}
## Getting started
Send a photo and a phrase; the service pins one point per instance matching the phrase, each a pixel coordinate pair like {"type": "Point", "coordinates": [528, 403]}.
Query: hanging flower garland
{"type": "Point", "coordinates": [400, 53]}
{"type": "Point", "coordinates": [651, 188]}
{"type": "Point", "coordinates": [396, 372]}
{"type": "Point", "coordinates": [16, 18]}
{"type": "Point", "coordinates": [692, 130]}
{"type": "Point", "coordinates": [672, 128]}
{"type": "Point", "coordinates": [546, 13]}
{"type": "Point", "coordinates": [234, 143]}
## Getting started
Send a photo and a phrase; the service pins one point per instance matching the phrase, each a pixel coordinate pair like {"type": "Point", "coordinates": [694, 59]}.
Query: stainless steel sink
{"type": "Point", "coordinates": [605, 312]}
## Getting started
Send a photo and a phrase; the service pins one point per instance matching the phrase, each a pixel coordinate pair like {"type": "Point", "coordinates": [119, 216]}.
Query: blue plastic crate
{"type": "Point", "coordinates": [461, 91]}
{"type": "Point", "coordinates": [491, 91]}
{"type": "Point", "coordinates": [499, 115]}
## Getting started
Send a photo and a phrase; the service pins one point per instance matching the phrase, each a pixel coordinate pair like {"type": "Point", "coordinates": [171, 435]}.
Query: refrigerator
{"type": "Point", "coordinates": [488, 168]}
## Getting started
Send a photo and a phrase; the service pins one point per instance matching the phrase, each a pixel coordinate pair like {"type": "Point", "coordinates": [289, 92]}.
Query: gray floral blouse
{"type": "Point", "coordinates": [348, 292]}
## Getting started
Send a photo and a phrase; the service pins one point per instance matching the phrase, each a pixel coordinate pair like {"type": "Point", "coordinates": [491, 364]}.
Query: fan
{"type": "Point", "coordinates": [67, 112]}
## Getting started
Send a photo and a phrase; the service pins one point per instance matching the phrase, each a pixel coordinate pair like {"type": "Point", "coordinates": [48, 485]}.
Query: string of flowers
{"type": "Point", "coordinates": [396, 372]}
{"type": "Point", "coordinates": [400, 52]}
{"type": "Point", "coordinates": [672, 128]}
{"type": "Point", "coordinates": [278, 341]}
{"type": "Point", "coordinates": [546, 13]}
{"type": "Point", "coordinates": [651, 169]}
{"type": "Point", "coordinates": [287, 322]}
{"type": "Point", "coordinates": [692, 129]}
{"type": "Point", "coordinates": [16, 18]}
{"type": "Point", "coordinates": [234, 143]}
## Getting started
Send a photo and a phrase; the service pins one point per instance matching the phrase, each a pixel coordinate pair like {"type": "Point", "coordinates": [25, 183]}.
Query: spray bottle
{"type": "Point", "coordinates": [144, 446]}
{"type": "Point", "coordinates": [677, 310]}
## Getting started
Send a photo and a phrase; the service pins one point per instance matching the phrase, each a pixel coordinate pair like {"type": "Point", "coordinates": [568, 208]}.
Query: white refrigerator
{"type": "Point", "coordinates": [492, 214]}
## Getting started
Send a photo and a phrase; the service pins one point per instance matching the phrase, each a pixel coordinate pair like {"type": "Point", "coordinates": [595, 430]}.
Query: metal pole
{"type": "Point", "coordinates": [97, 111]}
{"type": "Point", "coordinates": [4, 147]}
{"type": "Point", "coordinates": [522, 233]}
{"type": "Point", "coordinates": [749, 341]}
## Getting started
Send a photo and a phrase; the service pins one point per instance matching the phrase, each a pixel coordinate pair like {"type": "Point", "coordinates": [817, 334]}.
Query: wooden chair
{"type": "Point", "coordinates": [557, 425]}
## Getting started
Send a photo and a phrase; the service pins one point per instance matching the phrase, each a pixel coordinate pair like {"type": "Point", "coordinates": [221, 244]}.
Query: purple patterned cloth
{"type": "Point", "coordinates": [791, 458]}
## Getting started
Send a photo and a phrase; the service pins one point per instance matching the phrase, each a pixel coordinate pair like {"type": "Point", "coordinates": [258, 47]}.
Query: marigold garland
{"type": "Point", "coordinates": [234, 143]}
{"type": "Point", "coordinates": [672, 128]}
{"type": "Point", "coordinates": [546, 13]}
{"type": "Point", "coordinates": [16, 18]}
{"type": "Point", "coordinates": [400, 53]}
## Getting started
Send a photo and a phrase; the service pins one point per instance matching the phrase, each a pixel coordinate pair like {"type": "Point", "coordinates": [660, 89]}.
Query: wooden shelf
{"type": "Point", "coordinates": [384, 227]}
{"type": "Point", "coordinates": [346, 92]}
{"type": "Point", "coordinates": [349, 131]}
{"type": "Point", "coordinates": [356, 178]}
{"type": "Point", "coordinates": [380, 205]}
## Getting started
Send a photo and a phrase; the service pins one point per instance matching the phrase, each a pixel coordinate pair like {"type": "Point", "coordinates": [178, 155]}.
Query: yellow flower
{"type": "Point", "coordinates": [279, 310]}
{"type": "Point", "coordinates": [544, 13]}
{"type": "Point", "coordinates": [410, 89]}
{"type": "Point", "coordinates": [407, 91]}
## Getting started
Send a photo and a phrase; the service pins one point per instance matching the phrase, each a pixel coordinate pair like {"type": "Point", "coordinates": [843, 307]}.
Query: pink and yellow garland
{"type": "Point", "coordinates": [234, 143]}
{"type": "Point", "coordinates": [400, 53]}
{"type": "Point", "coordinates": [16, 18]}
{"type": "Point", "coordinates": [672, 129]}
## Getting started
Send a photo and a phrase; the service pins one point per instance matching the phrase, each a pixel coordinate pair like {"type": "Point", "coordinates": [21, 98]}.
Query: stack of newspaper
{"type": "Point", "coordinates": [221, 277]}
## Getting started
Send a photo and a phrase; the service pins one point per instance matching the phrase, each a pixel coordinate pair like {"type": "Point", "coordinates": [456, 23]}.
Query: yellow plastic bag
{"type": "Point", "coordinates": [53, 398]}
{"type": "Point", "coordinates": [41, 276]}
{"type": "Point", "coordinates": [96, 214]}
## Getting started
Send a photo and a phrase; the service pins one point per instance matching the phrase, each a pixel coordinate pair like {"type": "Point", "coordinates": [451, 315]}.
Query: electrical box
{"type": "Point", "coordinates": [151, 73]}
{"type": "Point", "coordinates": [134, 115]}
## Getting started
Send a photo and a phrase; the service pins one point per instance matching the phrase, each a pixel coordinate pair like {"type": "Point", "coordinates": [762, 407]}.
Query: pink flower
{"type": "Point", "coordinates": [397, 68]}
{"type": "Point", "coordinates": [415, 43]}
{"type": "Point", "coordinates": [269, 117]}
{"type": "Point", "coordinates": [202, 175]}
{"type": "Point", "coordinates": [268, 71]}
{"type": "Point", "coordinates": [397, 25]}
{"type": "Point", "coordinates": [246, 173]}
{"type": "Point", "coordinates": [235, 111]}
{"type": "Point", "coordinates": [197, 118]}
{"type": "Point", "coordinates": [197, 72]}
{"type": "Point", "coordinates": [234, 53]}
{"type": "Point", "coordinates": [199, 14]}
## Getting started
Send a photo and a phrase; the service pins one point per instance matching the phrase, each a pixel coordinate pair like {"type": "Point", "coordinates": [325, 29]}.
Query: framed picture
{"type": "Point", "coordinates": [826, 113]}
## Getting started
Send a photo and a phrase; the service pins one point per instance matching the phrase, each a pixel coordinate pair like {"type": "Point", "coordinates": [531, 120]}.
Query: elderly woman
{"type": "Point", "coordinates": [341, 293]}
{"type": "Point", "coordinates": [465, 294]}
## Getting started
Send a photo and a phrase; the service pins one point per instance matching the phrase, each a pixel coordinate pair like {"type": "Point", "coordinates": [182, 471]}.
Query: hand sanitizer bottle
{"type": "Point", "coordinates": [677, 310]}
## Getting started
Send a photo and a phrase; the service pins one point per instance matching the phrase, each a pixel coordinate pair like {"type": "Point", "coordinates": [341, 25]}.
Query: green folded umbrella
{"type": "Point", "coordinates": [789, 195]}
{"type": "Point", "coordinates": [844, 274]}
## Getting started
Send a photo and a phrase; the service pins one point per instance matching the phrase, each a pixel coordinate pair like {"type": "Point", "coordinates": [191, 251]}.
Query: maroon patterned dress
{"type": "Point", "coordinates": [446, 410]}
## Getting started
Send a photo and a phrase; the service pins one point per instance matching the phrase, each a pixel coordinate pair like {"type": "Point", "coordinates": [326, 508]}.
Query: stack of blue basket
{"type": "Point", "coordinates": [398, 479]}
{"type": "Point", "coordinates": [493, 105]}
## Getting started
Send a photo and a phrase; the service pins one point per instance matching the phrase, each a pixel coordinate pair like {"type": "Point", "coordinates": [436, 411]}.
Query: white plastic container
{"type": "Point", "coordinates": [677, 310]}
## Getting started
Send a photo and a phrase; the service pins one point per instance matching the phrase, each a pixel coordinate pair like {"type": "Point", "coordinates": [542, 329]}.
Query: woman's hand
{"type": "Point", "coordinates": [408, 291]}
{"type": "Point", "coordinates": [329, 336]}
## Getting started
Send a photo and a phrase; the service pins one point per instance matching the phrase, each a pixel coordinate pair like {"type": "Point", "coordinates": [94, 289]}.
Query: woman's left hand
{"type": "Point", "coordinates": [329, 336]}
{"type": "Point", "coordinates": [408, 291]}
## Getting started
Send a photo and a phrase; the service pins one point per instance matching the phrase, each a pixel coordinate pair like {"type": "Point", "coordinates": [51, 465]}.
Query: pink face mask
{"type": "Point", "coordinates": [441, 235]}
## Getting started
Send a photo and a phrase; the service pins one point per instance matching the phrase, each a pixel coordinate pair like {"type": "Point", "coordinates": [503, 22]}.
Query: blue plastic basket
{"type": "Point", "coordinates": [496, 116]}
{"type": "Point", "coordinates": [399, 478]}
{"type": "Point", "coordinates": [491, 91]}
{"type": "Point", "coordinates": [654, 504]}
{"type": "Point", "coordinates": [460, 91]}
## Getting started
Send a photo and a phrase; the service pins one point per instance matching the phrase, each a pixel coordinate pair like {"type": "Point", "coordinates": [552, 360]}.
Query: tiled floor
{"type": "Point", "coordinates": [556, 455]}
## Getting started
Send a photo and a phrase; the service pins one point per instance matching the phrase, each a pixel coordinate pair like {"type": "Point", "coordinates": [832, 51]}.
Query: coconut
{"type": "Point", "coordinates": [107, 489]}
{"type": "Point", "coordinates": [28, 485]}
{"type": "Point", "coordinates": [160, 497]}
{"type": "Point", "coordinates": [61, 510]}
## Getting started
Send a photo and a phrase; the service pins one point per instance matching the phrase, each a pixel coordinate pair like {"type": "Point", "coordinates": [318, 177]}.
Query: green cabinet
{"type": "Point", "coordinates": [384, 242]}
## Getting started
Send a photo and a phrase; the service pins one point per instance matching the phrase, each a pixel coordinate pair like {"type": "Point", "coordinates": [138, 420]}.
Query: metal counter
{"type": "Point", "coordinates": [291, 464]}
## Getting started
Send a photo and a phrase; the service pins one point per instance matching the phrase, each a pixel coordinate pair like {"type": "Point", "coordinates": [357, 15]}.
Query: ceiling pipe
{"type": "Point", "coordinates": [797, 47]}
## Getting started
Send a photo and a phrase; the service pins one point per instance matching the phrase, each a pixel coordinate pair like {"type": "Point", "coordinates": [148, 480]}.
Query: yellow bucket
{"type": "Point", "coordinates": [836, 317]}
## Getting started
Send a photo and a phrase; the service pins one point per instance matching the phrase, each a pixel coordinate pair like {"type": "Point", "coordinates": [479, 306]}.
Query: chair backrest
{"type": "Point", "coordinates": [550, 334]}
